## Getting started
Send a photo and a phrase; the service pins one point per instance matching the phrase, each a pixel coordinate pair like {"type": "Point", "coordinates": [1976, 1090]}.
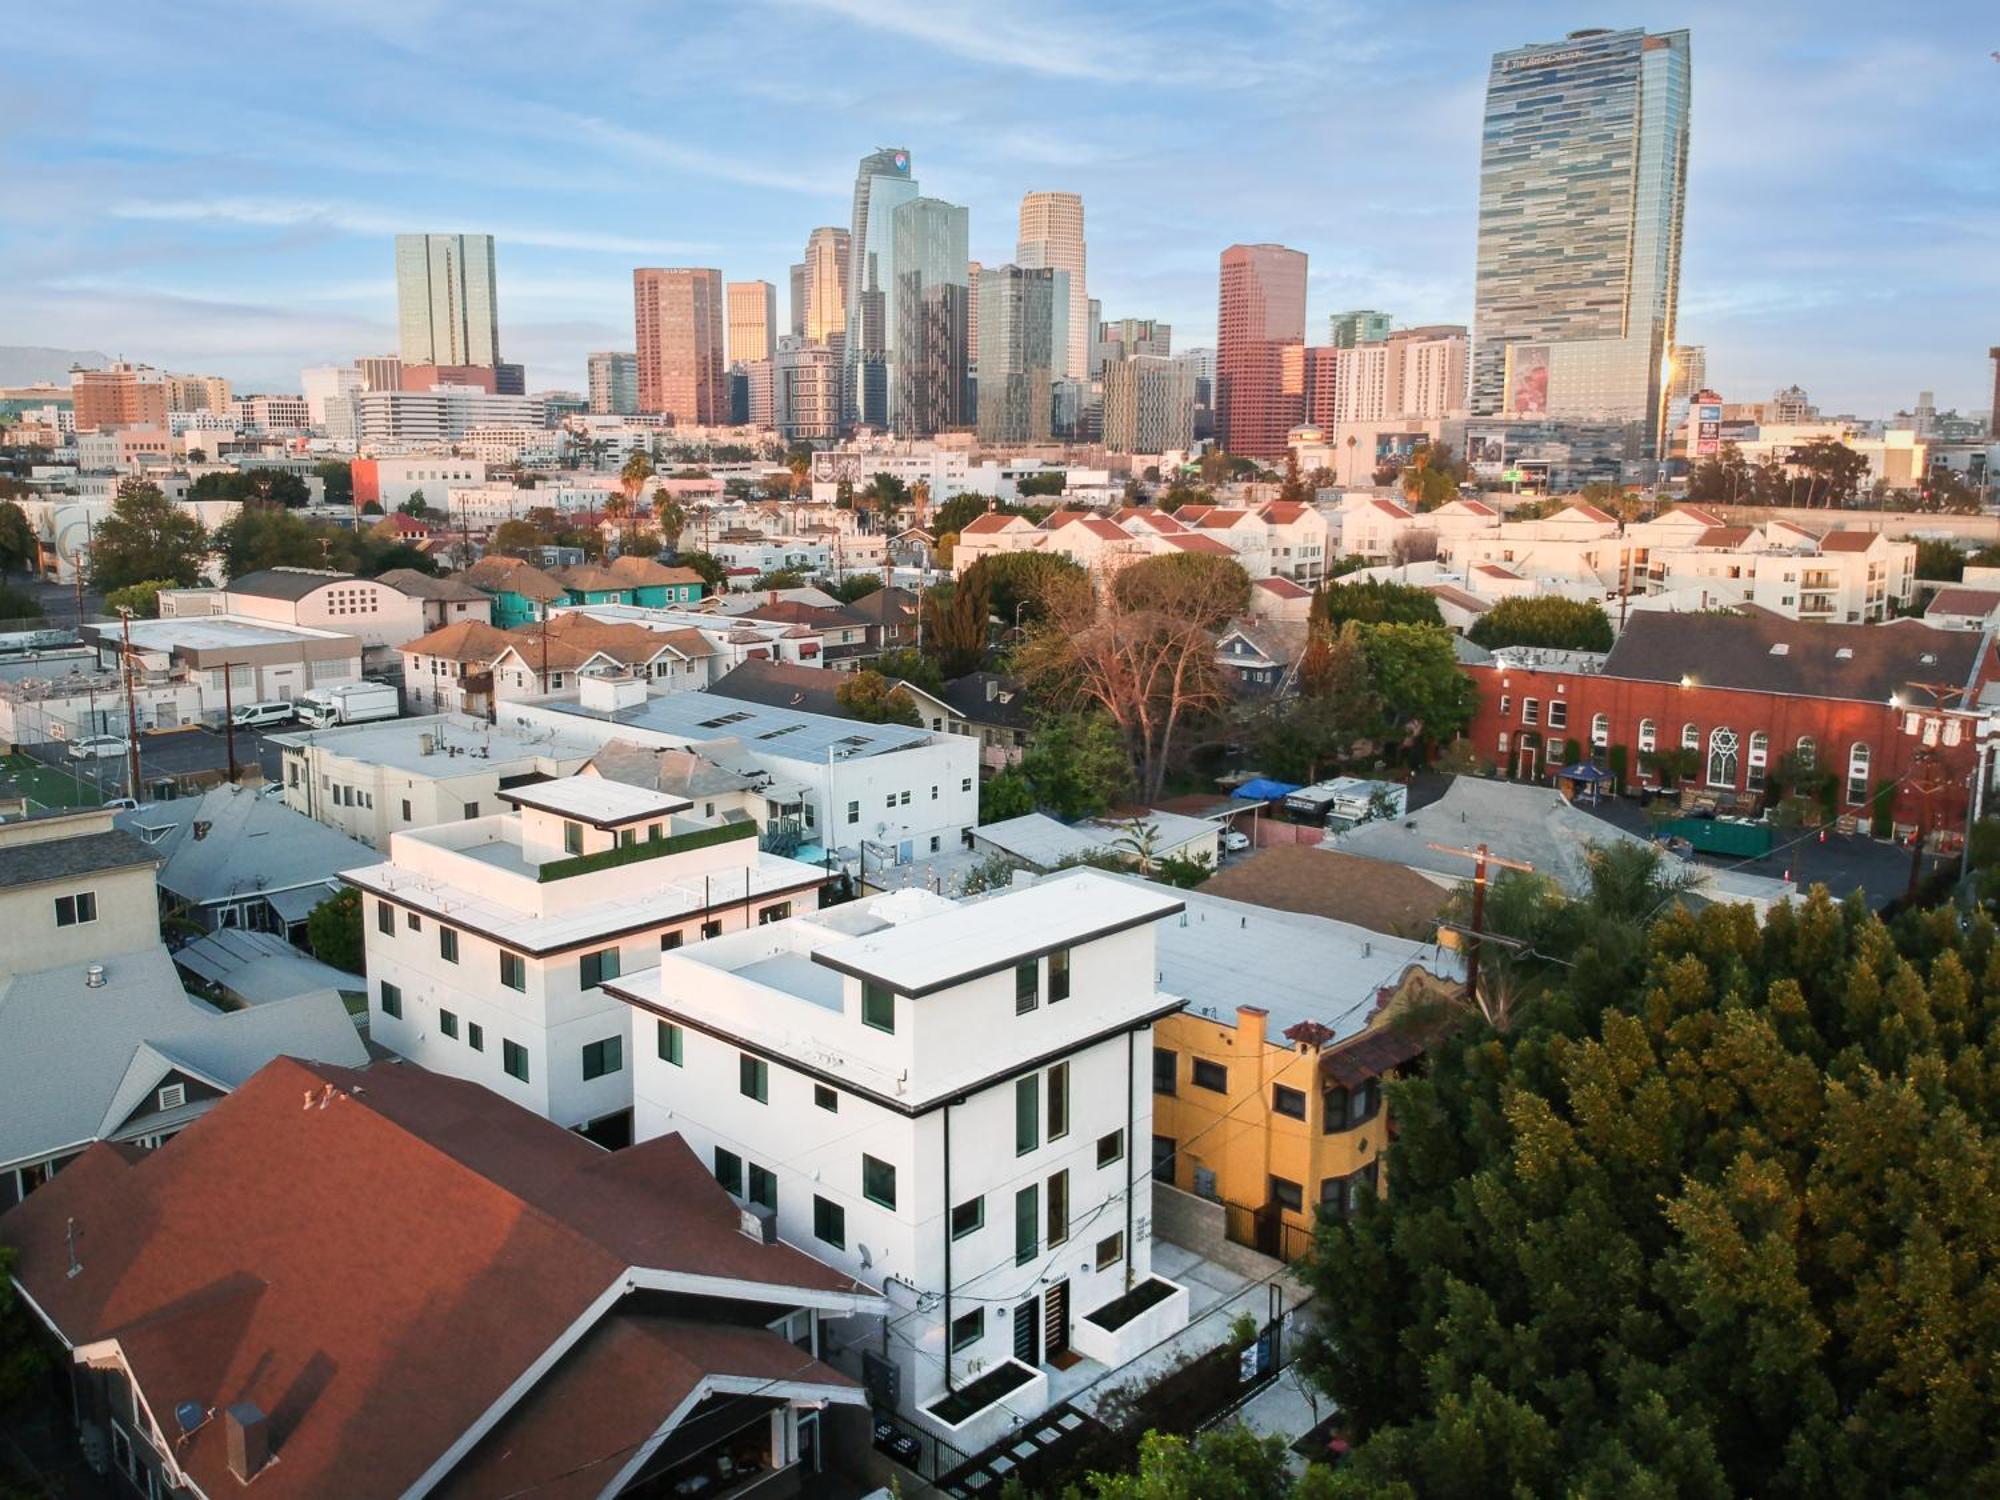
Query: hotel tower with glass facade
{"type": "Point", "coordinates": [881, 185]}
{"type": "Point", "coordinates": [1582, 178]}
{"type": "Point", "coordinates": [447, 307]}
{"type": "Point", "coordinates": [931, 293]}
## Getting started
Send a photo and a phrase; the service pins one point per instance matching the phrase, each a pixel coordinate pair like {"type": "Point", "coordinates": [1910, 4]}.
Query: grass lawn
{"type": "Point", "coordinates": [46, 784]}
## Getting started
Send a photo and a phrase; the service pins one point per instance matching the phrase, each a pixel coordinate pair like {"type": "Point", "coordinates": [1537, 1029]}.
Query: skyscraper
{"type": "Point", "coordinates": [1052, 236]}
{"type": "Point", "coordinates": [1690, 372]}
{"type": "Point", "coordinates": [614, 383]}
{"type": "Point", "coordinates": [753, 321]}
{"type": "Point", "coordinates": [1581, 183]}
{"type": "Point", "coordinates": [677, 316]}
{"type": "Point", "coordinates": [798, 318]}
{"type": "Point", "coordinates": [1362, 326]}
{"type": "Point", "coordinates": [1261, 311]}
{"type": "Point", "coordinates": [447, 305]}
{"type": "Point", "coordinates": [826, 273]}
{"type": "Point", "coordinates": [1148, 404]}
{"type": "Point", "coordinates": [931, 289]}
{"type": "Point", "coordinates": [882, 183]}
{"type": "Point", "coordinates": [805, 390]}
{"type": "Point", "coordinates": [1018, 321]}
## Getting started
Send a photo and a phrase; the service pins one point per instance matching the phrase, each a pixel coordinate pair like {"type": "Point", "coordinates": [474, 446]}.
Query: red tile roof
{"type": "Point", "coordinates": [991, 521]}
{"type": "Point", "coordinates": [1847, 541]}
{"type": "Point", "coordinates": [1390, 507]}
{"type": "Point", "coordinates": [1215, 518]}
{"type": "Point", "coordinates": [1452, 594]}
{"type": "Point", "coordinates": [1723, 536]}
{"type": "Point", "coordinates": [1284, 588]}
{"type": "Point", "coordinates": [1964, 602]}
{"type": "Point", "coordinates": [1695, 513]}
{"type": "Point", "coordinates": [1198, 543]}
{"type": "Point", "coordinates": [372, 1257]}
{"type": "Point", "coordinates": [1588, 512]}
{"type": "Point", "coordinates": [1282, 512]}
{"type": "Point", "coordinates": [463, 640]}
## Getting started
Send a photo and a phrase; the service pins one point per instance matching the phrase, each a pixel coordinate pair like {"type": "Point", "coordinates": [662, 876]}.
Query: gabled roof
{"type": "Point", "coordinates": [590, 578]}
{"type": "Point", "coordinates": [1695, 514]}
{"type": "Point", "coordinates": [79, 854]}
{"type": "Point", "coordinates": [1325, 883]}
{"type": "Point", "coordinates": [1725, 536]}
{"type": "Point", "coordinates": [1282, 588]}
{"type": "Point", "coordinates": [1854, 663]}
{"type": "Point", "coordinates": [1848, 541]}
{"type": "Point", "coordinates": [1283, 512]}
{"type": "Point", "coordinates": [462, 640]}
{"type": "Point", "coordinates": [988, 698]}
{"type": "Point", "coordinates": [1495, 570]}
{"type": "Point", "coordinates": [1452, 594]}
{"type": "Point", "coordinates": [231, 842]}
{"type": "Point", "coordinates": [992, 521]}
{"type": "Point", "coordinates": [1190, 515]}
{"type": "Point", "coordinates": [378, 1260]}
{"type": "Point", "coordinates": [779, 684]}
{"type": "Point", "coordinates": [452, 587]}
{"type": "Point", "coordinates": [1195, 542]}
{"type": "Point", "coordinates": [287, 583]}
{"type": "Point", "coordinates": [1390, 507]}
{"type": "Point", "coordinates": [1584, 512]}
{"type": "Point", "coordinates": [1215, 518]}
{"type": "Point", "coordinates": [510, 575]}
{"type": "Point", "coordinates": [647, 572]}
{"type": "Point", "coordinates": [686, 772]}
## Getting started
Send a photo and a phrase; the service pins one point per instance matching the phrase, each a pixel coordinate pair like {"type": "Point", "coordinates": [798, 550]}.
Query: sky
{"type": "Point", "coordinates": [214, 187]}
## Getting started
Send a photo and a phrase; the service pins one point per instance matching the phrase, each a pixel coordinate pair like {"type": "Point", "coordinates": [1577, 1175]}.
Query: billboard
{"type": "Point", "coordinates": [1485, 450]}
{"type": "Point", "coordinates": [1527, 380]}
{"type": "Point", "coordinates": [1707, 430]}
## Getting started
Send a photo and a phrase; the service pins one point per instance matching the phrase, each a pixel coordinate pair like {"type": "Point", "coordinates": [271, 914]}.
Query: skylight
{"type": "Point", "coordinates": [1783, 648]}
{"type": "Point", "coordinates": [1845, 653]}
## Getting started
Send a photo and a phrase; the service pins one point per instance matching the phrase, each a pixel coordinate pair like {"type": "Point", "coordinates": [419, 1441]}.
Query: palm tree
{"type": "Point", "coordinates": [1141, 840]}
{"type": "Point", "coordinates": [671, 518]}
{"type": "Point", "coordinates": [632, 478]}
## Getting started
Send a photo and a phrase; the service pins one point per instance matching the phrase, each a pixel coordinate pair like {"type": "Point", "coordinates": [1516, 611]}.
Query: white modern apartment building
{"type": "Point", "coordinates": [951, 1101]}
{"type": "Point", "coordinates": [488, 939]}
{"type": "Point", "coordinates": [403, 419]}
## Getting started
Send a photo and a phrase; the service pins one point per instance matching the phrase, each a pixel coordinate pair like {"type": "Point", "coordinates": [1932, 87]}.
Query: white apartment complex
{"type": "Point", "coordinates": [487, 939]}
{"type": "Point", "coordinates": [949, 1101]}
{"type": "Point", "coordinates": [1277, 539]}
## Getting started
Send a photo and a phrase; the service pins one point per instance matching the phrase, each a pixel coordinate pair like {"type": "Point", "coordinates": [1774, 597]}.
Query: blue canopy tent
{"type": "Point", "coordinates": [1584, 778]}
{"type": "Point", "coordinates": [1263, 789]}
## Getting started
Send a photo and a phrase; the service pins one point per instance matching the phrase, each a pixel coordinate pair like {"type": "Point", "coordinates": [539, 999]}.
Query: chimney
{"type": "Point", "coordinates": [248, 1433]}
{"type": "Point", "coordinates": [1250, 1021]}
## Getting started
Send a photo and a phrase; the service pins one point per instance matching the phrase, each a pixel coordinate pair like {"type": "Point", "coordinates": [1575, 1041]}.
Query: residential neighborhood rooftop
{"type": "Point", "coordinates": [596, 801]}
{"type": "Point", "coordinates": [458, 744]}
{"type": "Point", "coordinates": [770, 731]}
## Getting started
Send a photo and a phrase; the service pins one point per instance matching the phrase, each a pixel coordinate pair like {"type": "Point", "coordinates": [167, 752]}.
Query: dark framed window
{"type": "Point", "coordinates": [392, 1000]}
{"type": "Point", "coordinates": [670, 1042]}
{"type": "Point", "coordinates": [878, 1182]}
{"type": "Point", "coordinates": [572, 838]}
{"type": "Point", "coordinates": [670, 941]}
{"type": "Point", "coordinates": [1339, 1196]}
{"type": "Point", "coordinates": [1166, 1070]}
{"type": "Point", "coordinates": [475, 1036]}
{"type": "Point", "coordinates": [471, 810]}
{"type": "Point", "coordinates": [826, 1098]}
{"type": "Point", "coordinates": [448, 1023]}
{"type": "Point", "coordinates": [1027, 987]}
{"type": "Point", "coordinates": [1027, 1113]}
{"type": "Point", "coordinates": [763, 1187]}
{"type": "Point", "coordinates": [776, 912]}
{"type": "Point", "coordinates": [1110, 1148]}
{"type": "Point", "coordinates": [753, 1078]}
{"type": "Point", "coordinates": [1027, 1223]}
{"type": "Point", "coordinates": [1209, 1075]}
{"type": "Point", "coordinates": [602, 1058]}
{"type": "Point", "coordinates": [1058, 1111]}
{"type": "Point", "coordinates": [513, 970]}
{"type": "Point", "coordinates": [1109, 1250]}
{"type": "Point", "coordinates": [968, 1217]}
{"type": "Point", "coordinates": [385, 919]}
{"type": "Point", "coordinates": [448, 944]}
{"type": "Point", "coordinates": [1059, 975]}
{"type": "Point", "coordinates": [1288, 1102]}
{"type": "Point", "coordinates": [514, 1060]}
{"type": "Point", "coordinates": [711, 929]}
{"type": "Point", "coordinates": [1346, 1108]}
{"type": "Point", "coordinates": [729, 1171]}
{"type": "Point", "coordinates": [968, 1330]}
{"type": "Point", "coordinates": [1058, 1201]}
{"type": "Point", "coordinates": [595, 968]}
{"type": "Point", "coordinates": [1288, 1194]}
{"type": "Point", "coordinates": [878, 1007]}
{"type": "Point", "coordinates": [829, 1222]}
{"type": "Point", "coordinates": [412, 921]}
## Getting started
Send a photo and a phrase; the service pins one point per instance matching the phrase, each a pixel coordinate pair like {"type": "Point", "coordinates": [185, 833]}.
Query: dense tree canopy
{"type": "Point", "coordinates": [706, 564]}
{"type": "Point", "coordinates": [334, 930]}
{"type": "Point", "coordinates": [1015, 583]}
{"type": "Point", "coordinates": [873, 698]}
{"type": "Point", "coordinates": [17, 539]}
{"type": "Point", "coordinates": [271, 536]}
{"type": "Point", "coordinates": [1219, 584]}
{"type": "Point", "coordinates": [1716, 1217]}
{"type": "Point", "coordinates": [146, 536]}
{"type": "Point", "coordinates": [1374, 603]}
{"type": "Point", "coordinates": [1414, 670]}
{"type": "Point", "coordinates": [263, 486]}
{"type": "Point", "coordinates": [1544, 620]}
{"type": "Point", "coordinates": [1075, 767]}
{"type": "Point", "coordinates": [143, 599]}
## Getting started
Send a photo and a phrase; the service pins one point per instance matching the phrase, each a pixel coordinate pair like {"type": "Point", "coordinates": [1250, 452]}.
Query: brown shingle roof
{"type": "Point", "coordinates": [1964, 602]}
{"type": "Point", "coordinates": [1847, 541]}
{"type": "Point", "coordinates": [1735, 651]}
{"type": "Point", "coordinates": [462, 640]}
{"type": "Point", "coordinates": [1325, 883]}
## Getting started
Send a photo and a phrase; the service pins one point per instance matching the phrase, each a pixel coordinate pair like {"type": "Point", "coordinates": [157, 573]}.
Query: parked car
{"type": "Point", "coordinates": [98, 747]}
{"type": "Point", "coordinates": [260, 715]}
{"type": "Point", "coordinates": [1235, 842]}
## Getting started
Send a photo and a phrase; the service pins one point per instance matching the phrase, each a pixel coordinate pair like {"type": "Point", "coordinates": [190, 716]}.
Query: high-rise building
{"type": "Point", "coordinates": [1261, 311]}
{"type": "Point", "coordinates": [1993, 428]}
{"type": "Point", "coordinates": [1581, 183]}
{"type": "Point", "coordinates": [447, 302]}
{"type": "Point", "coordinates": [1789, 407]}
{"type": "Point", "coordinates": [881, 184]}
{"type": "Point", "coordinates": [1415, 374]}
{"type": "Point", "coordinates": [1018, 322]}
{"type": "Point", "coordinates": [797, 322]}
{"type": "Point", "coordinates": [931, 288]}
{"type": "Point", "coordinates": [805, 390]}
{"type": "Point", "coordinates": [325, 383]}
{"type": "Point", "coordinates": [124, 395]}
{"type": "Point", "coordinates": [753, 321]}
{"type": "Point", "coordinates": [380, 372]}
{"type": "Point", "coordinates": [1690, 372]}
{"type": "Point", "coordinates": [759, 392]}
{"type": "Point", "coordinates": [1361, 326]}
{"type": "Point", "coordinates": [972, 315]}
{"type": "Point", "coordinates": [614, 383]}
{"type": "Point", "coordinates": [826, 273]}
{"type": "Point", "coordinates": [1052, 236]}
{"type": "Point", "coordinates": [1127, 337]}
{"type": "Point", "coordinates": [678, 319]}
{"type": "Point", "coordinates": [197, 393]}
{"type": "Point", "coordinates": [1148, 405]}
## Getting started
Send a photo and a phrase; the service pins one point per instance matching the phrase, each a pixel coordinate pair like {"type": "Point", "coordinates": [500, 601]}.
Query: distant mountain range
{"type": "Point", "coordinates": [28, 364]}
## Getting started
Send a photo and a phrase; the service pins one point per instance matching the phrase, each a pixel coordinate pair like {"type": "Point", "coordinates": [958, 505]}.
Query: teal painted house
{"type": "Point", "coordinates": [629, 580]}
{"type": "Point", "coordinates": [521, 593]}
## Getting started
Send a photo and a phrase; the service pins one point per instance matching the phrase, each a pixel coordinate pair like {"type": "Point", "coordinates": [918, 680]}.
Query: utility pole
{"type": "Point", "coordinates": [1480, 858]}
{"type": "Point", "coordinates": [131, 704]}
{"type": "Point", "coordinates": [1932, 727]}
{"type": "Point", "coordinates": [229, 716]}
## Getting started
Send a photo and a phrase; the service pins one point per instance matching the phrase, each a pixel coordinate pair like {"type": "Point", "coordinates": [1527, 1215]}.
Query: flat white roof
{"type": "Point", "coordinates": [967, 942]}
{"type": "Point", "coordinates": [461, 745]}
{"type": "Point", "coordinates": [202, 632]}
{"type": "Point", "coordinates": [596, 800]}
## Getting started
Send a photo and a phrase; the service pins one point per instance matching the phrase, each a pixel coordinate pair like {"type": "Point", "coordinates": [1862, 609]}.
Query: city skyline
{"type": "Point", "coordinates": [255, 239]}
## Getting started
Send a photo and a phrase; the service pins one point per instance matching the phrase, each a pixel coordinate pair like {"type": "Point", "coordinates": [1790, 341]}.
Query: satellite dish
{"type": "Point", "coordinates": [190, 1415]}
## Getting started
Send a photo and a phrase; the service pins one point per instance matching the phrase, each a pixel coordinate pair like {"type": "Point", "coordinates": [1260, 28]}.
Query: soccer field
{"type": "Point", "coordinates": [47, 786]}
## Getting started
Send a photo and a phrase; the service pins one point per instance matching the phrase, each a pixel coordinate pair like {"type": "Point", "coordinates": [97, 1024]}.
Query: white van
{"type": "Point", "coordinates": [259, 715]}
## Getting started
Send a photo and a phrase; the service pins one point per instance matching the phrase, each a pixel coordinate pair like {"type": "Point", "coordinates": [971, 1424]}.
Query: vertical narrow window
{"type": "Point", "coordinates": [1027, 1223]}
{"type": "Point", "coordinates": [448, 944]}
{"type": "Point", "coordinates": [572, 838]}
{"type": "Point", "coordinates": [1058, 1101]}
{"type": "Point", "coordinates": [878, 1007]}
{"type": "Point", "coordinates": [1058, 1216]}
{"type": "Point", "coordinates": [1059, 975]}
{"type": "Point", "coordinates": [670, 1043]}
{"type": "Point", "coordinates": [514, 1060]}
{"type": "Point", "coordinates": [1027, 1113]}
{"type": "Point", "coordinates": [753, 1078]}
{"type": "Point", "coordinates": [1027, 987]}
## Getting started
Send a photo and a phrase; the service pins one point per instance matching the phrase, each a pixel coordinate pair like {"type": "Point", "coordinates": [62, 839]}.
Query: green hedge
{"type": "Point", "coordinates": [625, 854]}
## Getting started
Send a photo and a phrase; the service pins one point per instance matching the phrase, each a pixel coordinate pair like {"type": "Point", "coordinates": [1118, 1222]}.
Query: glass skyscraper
{"type": "Point", "coordinates": [1582, 177]}
{"type": "Point", "coordinates": [881, 185]}
{"type": "Point", "coordinates": [931, 294]}
{"type": "Point", "coordinates": [1022, 328]}
{"type": "Point", "coordinates": [447, 308]}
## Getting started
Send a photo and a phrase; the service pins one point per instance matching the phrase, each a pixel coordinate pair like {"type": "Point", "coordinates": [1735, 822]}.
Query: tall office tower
{"type": "Point", "coordinates": [1128, 337]}
{"type": "Point", "coordinates": [759, 404]}
{"type": "Point", "coordinates": [1148, 405]}
{"type": "Point", "coordinates": [125, 395]}
{"type": "Point", "coordinates": [1415, 374]}
{"type": "Point", "coordinates": [826, 273]}
{"type": "Point", "coordinates": [753, 321]}
{"type": "Point", "coordinates": [1362, 326]}
{"type": "Point", "coordinates": [380, 372]}
{"type": "Point", "coordinates": [1581, 183]}
{"type": "Point", "coordinates": [614, 383]}
{"type": "Point", "coordinates": [1018, 322]}
{"type": "Point", "coordinates": [930, 292]}
{"type": "Point", "coordinates": [677, 315]}
{"type": "Point", "coordinates": [805, 390]}
{"type": "Point", "coordinates": [881, 185]}
{"type": "Point", "coordinates": [447, 304]}
{"type": "Point", "coordinates": [796, 325]}
{"type": "Point", "coordinates": [1690, 372]}
{"type": "Point", "coordinates": [1052, 236]}
{"type": "Point", "coordinates": [324, 383]}
{"type": "Point", "coordinates": [1201, 362]}
{"type": "Point", "coordinates": [1262, 310]}
{"type": "Point", "coordinates": [972, 316]}
{"type": "Point", "coordinates": [1789, 407]}
{"type": "Point", "coordinates": [197, 393]}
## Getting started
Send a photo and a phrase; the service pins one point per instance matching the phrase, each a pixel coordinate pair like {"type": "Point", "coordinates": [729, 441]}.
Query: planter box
{"type": "Point", "coordinates": [988, 1406]}
{"type": "Point", "coordinates": [1141, 1318]}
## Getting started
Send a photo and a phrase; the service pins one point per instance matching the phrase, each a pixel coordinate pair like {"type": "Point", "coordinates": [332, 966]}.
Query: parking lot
{"type": "Point", "coordinates": [169, 756]}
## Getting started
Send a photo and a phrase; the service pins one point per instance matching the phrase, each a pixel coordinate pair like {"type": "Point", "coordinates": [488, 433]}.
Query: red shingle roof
{"type": "Point", "coordinates": [1723, 536]}
{"type": "Point", "coordinates": [1198, 543]}
{"type": "Point", "coordinates": [990, 521]}
{"type": "Point", "coordinates": [1847, 541]}
{"type": "Point", "coordinates": [1964, 602]}
{"type": "Point", "coordinates": [1284, 588]}
{"type": "Point", "coordinates": [1283, 512]}
{"type": "Point", "coordinates": [1390, 507]}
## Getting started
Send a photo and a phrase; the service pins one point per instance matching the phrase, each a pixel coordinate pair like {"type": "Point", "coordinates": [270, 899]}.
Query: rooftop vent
{"type": "Point", "coordinates": [247, 1430]}
{"type": "Point", "coordinates": [93, 976]}
{"type": "Point", "coordinates": [758, 1223]}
